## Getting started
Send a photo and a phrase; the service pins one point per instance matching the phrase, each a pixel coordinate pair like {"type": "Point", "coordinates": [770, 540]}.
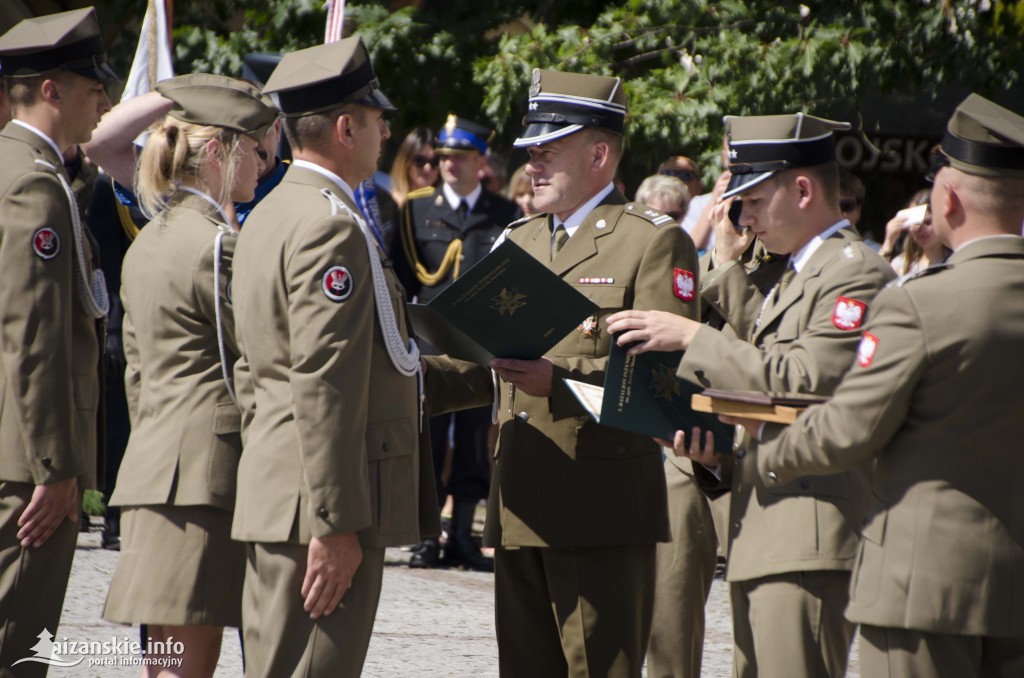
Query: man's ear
{"type": "Point", "coordinates": [806, 190]}
{"type": "Point", "coordinates": [600, 154]}
{"type": "Point", "coordinates": [50, 90]}
{"type": "Point", "coordinates": [344, 130]}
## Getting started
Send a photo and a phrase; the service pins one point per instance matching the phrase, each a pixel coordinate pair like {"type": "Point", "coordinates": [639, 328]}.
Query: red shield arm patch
{"type": "Point", "coordinates": [849, 313]}
{"type": "Point", "coordinates": [337, 283]}
{"type": "Point", "coordinates": [683, 284]}
{"type": "Point", "coordinates": [866, 349]}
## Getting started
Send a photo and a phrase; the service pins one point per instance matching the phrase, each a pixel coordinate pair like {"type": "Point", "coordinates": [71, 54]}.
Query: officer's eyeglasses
{"type": "Point", "coordinates": [681, 174]}
{"type": "Point", "coordinates": [847, 205]}
{"type": "Point", "coordinates": [422, 161]}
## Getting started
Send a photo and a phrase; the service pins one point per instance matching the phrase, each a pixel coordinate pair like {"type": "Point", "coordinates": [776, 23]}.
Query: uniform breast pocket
{"type": "Point", "coordinates": [390, 448]}
{"type": "Point", "coordinates": [226, 450]}
{"type": "Point", "coordinates": [590, 338]}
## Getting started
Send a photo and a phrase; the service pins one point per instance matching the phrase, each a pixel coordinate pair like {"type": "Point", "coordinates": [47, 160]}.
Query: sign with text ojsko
{"type": "Point", "coordinates": [880, 153]}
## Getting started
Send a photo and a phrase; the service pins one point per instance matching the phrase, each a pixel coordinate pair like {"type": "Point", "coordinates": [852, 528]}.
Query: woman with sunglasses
{"type": "Point", "coordinates": [180, 574]}
{"type": "Point", "coordinates": [416, 165]}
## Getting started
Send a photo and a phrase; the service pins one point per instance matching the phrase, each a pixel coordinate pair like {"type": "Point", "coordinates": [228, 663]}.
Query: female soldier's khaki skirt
{"type": "Point", "coordinates": [178, 567]}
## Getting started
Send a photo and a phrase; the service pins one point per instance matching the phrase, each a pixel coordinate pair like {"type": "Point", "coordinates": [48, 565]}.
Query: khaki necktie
{"type": "Point", "coordinates": [561, 235]}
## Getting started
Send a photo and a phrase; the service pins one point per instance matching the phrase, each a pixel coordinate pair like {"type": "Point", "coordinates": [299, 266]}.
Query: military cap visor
{"type": "Point", "coordinates": [462, 136]}
{"type": "Point", "coordinates": [67, 41]}
{"type": "Point", "coordinates": [984, 138]}
{"type": "Point", "coordinates": [206, 99]}
{"type": "Point", "coordinates": [561, 104]}
{"type": "Point", "coordinates": [761, 146]}
{"type": "Point", "coordinates": [317, 79]}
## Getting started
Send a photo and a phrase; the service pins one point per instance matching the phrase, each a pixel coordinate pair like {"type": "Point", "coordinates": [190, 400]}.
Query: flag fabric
{"type": "Point", "coordinates": [335, 20]}
{"type": "Point", "coordinates": [153, 55]}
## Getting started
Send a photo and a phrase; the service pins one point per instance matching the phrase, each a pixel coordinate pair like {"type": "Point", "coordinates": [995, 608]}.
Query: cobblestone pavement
{"type": "Point", "coordinates": [430, 623]}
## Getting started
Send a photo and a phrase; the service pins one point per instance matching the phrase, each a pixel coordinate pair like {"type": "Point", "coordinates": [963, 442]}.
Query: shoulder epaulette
{"type": "Point", "coordinates": [904, 279]}
{"type": "Point", "coordinates": [522, 220]}
{"type": "Point", "coordinates": [420, 192]}
{"type": "Point", "coordinates": [656, 217]}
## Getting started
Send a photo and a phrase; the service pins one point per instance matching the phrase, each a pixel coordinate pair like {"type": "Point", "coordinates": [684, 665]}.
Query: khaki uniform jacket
{"type": "Point", "coordinates": [935, 401]}
{"type": "Point", "coordinates": [332, 439]}
{"type": "Point", "coordinates": [806, 524]}
{"type": "Point", "coordinates": [184, 445]}
{"type": "Point", "coordinates": [49, 372]}
{"type": "Point", "coordinates": [560, 478]}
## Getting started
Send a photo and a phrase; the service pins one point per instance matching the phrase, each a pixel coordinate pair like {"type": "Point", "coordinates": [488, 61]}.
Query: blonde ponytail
{"type": "Point", "coordinates": [174, 154]}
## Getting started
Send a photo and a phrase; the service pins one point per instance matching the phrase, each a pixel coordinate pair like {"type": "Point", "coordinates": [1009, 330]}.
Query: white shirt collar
{"type": "Point", "coordinates": [208, 198]}
{"type": "Point", "coordinates": [39, 133]}
{"type": "Point", "coordinates": [330, 175]}
{"type": "Point", "coordinates": [454, 198]}
{"type": "Point", "coordinates": [577, 218]}
{"type": "Point", "coordinates": [801, 258]}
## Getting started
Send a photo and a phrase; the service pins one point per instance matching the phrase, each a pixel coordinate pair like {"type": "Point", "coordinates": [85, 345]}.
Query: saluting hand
{"type": "Point", "coordinates": [730, 243]}
{"type": "Point", "coordinates": [50, 504]}
{"type": "Point", "coordinates": [652, 330]}
{"type": "Point", "coordinates": [331, 564]}
{"type": "Point", "coordinates": [532, 377]}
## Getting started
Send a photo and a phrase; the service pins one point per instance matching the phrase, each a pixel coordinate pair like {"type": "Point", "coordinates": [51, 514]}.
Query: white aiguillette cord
{"type": "Point", "coordinates": [405, 359]}
{"type": "Point", "coordinates": [92, 286]}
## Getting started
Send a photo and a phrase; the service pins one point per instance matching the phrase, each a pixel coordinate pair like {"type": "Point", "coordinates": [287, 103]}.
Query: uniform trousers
{"type": "Point", "coordinates": [573, 611]}
{"type": "Point", "coordinates": [470, 478]}
{"type": "Point", "coordinates": [907, 653]}
{"type": "Point", "coordinates": [791, 624]}
{"type": "Point", "coordinates": [281, 640]}
{"type": "Point", "coordinates": [685, 570]}
{"type": "Point", "coordinates": [32, 583]}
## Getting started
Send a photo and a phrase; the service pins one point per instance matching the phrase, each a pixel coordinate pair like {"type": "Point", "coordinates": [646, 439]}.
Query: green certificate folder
{"type": "Point", "coordinates": [642, 394]}
{"type": "Point", "coordinates": [508, 305]}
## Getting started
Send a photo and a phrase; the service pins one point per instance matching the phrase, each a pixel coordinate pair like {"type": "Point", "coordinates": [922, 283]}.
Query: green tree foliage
{"type": "Point", "coordinates": [686, 63]}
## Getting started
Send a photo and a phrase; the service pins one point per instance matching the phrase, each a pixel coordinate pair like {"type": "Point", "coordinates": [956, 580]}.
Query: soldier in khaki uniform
{"type": "Point", "coordinates": [699, 520]}
{"type": "Point", "coordinates": [335, 466]}
{"type": "Point", "coordinates": [54, 71]}
{"type": "Point", "coordinates": [791, 547]}
{"type": "Point", "coordinates": [180, 573]}
{"type": "Point", "coordinates": [933, 403]}
{"type": "Point", "coordinates": [575, 508]}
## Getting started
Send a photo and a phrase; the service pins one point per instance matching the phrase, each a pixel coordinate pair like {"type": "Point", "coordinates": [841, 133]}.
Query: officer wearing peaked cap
{"type": "Point", "coordinates": [54, 69]}
{"type": "Point", "coordinates": [576, 509]}
{"type": "Point", "coordinates": [336, 467]}
{"type": "Point", "coordinates": [445, 231]}
{"type": "Point", "coordinates": [791, 547]}
{"type": "Point", "coordinates": [932, 404]}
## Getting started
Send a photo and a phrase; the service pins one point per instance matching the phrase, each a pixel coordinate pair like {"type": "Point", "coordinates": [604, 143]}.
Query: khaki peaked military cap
{"type": "Point", "coordinates": [320, 78]}
{"type": "Point", "coordinates": [561, 104]}
{"type": "Point", "coordinates": [67, 41]}
{"type": "Point", "coordinates": [984, 138]}
{"type": "Point", "coordinates": [206, 99]}
{"type": "Point", "coordinates": [462, 136]}
{"type": "Point", "coordinates": [761, 145]}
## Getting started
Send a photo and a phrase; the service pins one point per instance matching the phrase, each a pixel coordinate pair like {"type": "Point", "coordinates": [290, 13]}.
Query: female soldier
{"type": "Point", "coordinates": [179, 572]}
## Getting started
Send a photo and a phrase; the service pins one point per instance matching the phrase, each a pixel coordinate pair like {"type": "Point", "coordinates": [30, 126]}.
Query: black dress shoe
{"type": "Point", "coordinates": [427, 556]}
{"type": "Point", "coordinates": [461, 550]}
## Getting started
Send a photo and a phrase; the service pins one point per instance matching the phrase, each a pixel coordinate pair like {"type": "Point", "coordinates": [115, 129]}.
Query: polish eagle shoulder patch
{"type": "Point", "coordinates": [683, 284]}
{"type": "Point", "coordinates": [337, 283]}
{"type": "Point", "coordinates": [849, 313]}
{"type": "Point", "coordinates": [46, 243]}
{"type": "Point", "coordinates": [866, 349]}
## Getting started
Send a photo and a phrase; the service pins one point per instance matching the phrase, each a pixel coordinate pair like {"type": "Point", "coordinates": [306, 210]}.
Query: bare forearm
{"type": "Point", "coordinates": [112, 144]}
